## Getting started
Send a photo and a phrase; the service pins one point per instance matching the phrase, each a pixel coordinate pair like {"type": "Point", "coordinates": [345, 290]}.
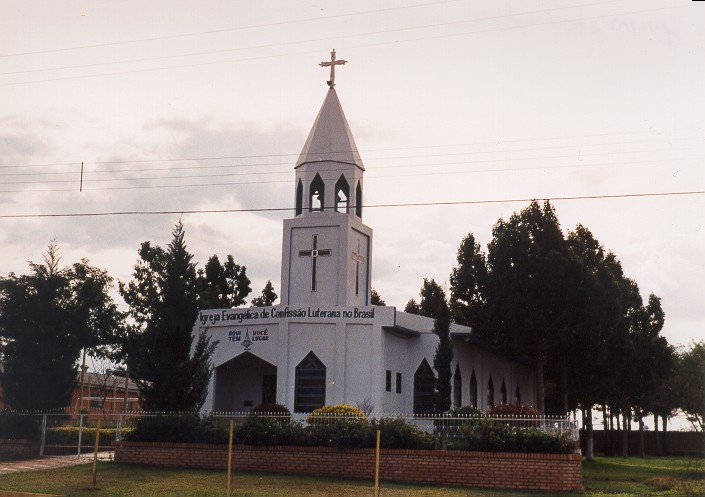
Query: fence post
{"type": "Point", "coordinates": [80, 433]}
{"type": "Point", "coordinates": [377, 465]}
{"type": "Point", "coordinates": [118, 428]}
{"type": "Point", "coordinates": [95, 454]}
{"type": "Point", "coordinates": [44, 435]}
{"type": "Point", "coordinates": [230, 458]}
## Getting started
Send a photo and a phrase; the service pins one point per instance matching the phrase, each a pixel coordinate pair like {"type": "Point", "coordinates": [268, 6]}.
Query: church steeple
{"type": "Point", "coordinates": [326, 250]}
{"type": "Point", "coordinates": [329, 170]}
{"type": "Point", "coordinates": [330, 137]}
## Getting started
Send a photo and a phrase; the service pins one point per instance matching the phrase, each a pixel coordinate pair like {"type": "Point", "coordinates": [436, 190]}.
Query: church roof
{"type": "Point", "coordinates": [330, 138]}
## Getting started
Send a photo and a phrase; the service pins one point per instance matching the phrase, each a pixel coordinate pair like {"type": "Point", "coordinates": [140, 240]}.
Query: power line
{"type": "Point", "coordinates": [423, 38]}
{"type": "Point", "coordinates": [238, 28]}
{"type": "Point", "coordinates": [371, 206]}
{"type": "Point", "coordinates": [237, 49]}
{"type": "Point", "coordinates": [435, 172]}
{"type": "Point", "coordinates": [386, 149]}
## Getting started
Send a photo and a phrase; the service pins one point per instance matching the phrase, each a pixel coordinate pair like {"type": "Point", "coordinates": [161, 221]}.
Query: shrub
{"type": "Point", "coordinates": [69, 434]}
{"type": "Point", "coordinates": [258, 430]}
{"type": "Point", "coordinates": [465, 412]}
{"type": "Point", "coordinates": [522, 410]}
{"type": "Point", "coordinates": [325, 414]}
{"type": "Point", "coordinates": [179, 428]}
{"type": "Point", "coordinates": [398, 434]}
{"type": "Point", "coordinates": [448, 424]}
{"type": "Point", "coordinates": [340, 425]}
{"type": "Point", "coordinates": [504, 438]}
{"type": "Point", "coordinates": [278, 412]}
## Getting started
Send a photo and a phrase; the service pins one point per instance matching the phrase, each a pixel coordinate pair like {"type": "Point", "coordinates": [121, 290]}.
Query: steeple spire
{"type": "Point", "coordinates": [333, 62]}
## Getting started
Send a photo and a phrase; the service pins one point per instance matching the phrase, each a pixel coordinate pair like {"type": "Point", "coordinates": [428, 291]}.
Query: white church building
{"type": "Point", "coordinates": [324, 343]}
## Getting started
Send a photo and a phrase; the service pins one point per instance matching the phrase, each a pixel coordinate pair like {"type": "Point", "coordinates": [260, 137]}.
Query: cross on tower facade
{"type": "Point", "coordinates": [332, 63]}
{"type": "Point", "coordinates": [314, 254]}
{"type": "Point", "coordinates": [359, 259]}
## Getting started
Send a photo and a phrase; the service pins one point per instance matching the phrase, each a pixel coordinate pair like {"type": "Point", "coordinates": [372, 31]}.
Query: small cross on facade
{"type": "Point", "coordinates": [332, 63]}
{"type": "Point", "coordinates": [359, 259]}
{"type": "Point", "coordinates": [314, 254]}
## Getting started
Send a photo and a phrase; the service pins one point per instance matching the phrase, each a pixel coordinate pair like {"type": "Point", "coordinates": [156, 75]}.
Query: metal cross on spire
{"type": "Point", "coordinates": [333, 62]}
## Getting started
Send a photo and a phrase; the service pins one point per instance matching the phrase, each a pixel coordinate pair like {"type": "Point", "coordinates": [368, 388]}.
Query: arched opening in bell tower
{"type": "Point", "coordinates": [316, 196]}
{"type": "Point", "coordinates": [342, 195]}
{"type": "Point", "coordinates": [358, 200]}
{"type": "Point", "coordinates": [299, 198]}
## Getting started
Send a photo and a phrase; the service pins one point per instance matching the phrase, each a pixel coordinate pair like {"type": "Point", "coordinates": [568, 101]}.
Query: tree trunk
{"type": "Point", "coordinates": [665, 434]}
{"type": "Point", "coordinates": [642, 453]}
{"type": "Point", "coordinates": [605, 431]}
{"type": "Point", "coordinates": [625, 434]}
{"type": "Point", "coordinates": [589, 446]}
{"type": "Point", "coordinates": [657, 436]}
{"type": "Point", "coordinates": [616, 434]}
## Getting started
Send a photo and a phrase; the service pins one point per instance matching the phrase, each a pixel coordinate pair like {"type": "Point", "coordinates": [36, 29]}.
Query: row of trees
{"type": "Point", "coordinates": [564, 305]}
{"type": "Point", "coordinates": [47, 317]}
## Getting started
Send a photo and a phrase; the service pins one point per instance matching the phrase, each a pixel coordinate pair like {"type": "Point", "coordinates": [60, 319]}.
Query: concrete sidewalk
{"type": "Point", "coordinates": [51, 462]}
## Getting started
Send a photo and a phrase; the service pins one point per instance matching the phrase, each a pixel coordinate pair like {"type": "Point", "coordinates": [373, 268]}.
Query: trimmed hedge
{"type": "Point", "coordinates": [473, 433]}
{"type": "Point", "coordinates": [70, 433]}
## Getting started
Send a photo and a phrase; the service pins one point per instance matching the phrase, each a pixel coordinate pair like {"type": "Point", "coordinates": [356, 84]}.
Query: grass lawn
{"type": "Point", "coordinates": [612, 477]}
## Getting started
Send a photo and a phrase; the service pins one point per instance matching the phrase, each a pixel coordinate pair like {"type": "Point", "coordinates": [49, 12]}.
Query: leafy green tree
{"type": "Point", "coordinates": [412, 307]}
{"type": "Point", "coordinates": [600, 312]}
{"type": "Point", "coordinates": [222, 285]}
{"type": "Point", "coordinates": [690, 384]}
{"type": "Point", "coordinates": [376, 299]}
{"type": "Point", "coordinates": [651, 360]}
{"type": "Point", "coordinates": [46, 318]}
{"type": "Point", "coordinates": [531, 287]}
{"type": "Point", "coordinates": [163, 301]}
{"type": "Point", "coordinates": [268, 296]}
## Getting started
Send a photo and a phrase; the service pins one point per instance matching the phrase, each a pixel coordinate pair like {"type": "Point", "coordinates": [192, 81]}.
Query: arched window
{"type": "Point", "coordinates": [310, 384]}
{"type": "Point", "coordinates": [316, 197]}
{"type": "Point", "coordinates": [503, 392]}
{"type": "Point", "coordinates": [457, 387]}
{"type": "Point", "coordinates": [358, 200]}
{"type": "Point", "coordinates": [490, 393]}
{"type": "Point", "coordinates": [342, 195]}
{"type": "Point", "coordinates": [473, 389]}
{"type": "Point", "coordinates": [424, 389]}
{"type": "Point", "coordinates": [517, 395]}
{"type": "Point", "coordinates": [299, 198]}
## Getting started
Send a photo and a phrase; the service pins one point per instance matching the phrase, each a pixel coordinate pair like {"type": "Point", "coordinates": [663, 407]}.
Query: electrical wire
{"type": "Point", "coordinates": [371, 206]}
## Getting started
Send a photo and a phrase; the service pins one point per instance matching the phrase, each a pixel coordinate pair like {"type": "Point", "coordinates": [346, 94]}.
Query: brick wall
{"type": "Point", "coordinates": [555, 472]}
{"type": "Point", "coordinates": [18, 449]}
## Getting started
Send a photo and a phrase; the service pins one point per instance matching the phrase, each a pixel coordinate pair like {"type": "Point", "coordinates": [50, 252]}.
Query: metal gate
{"type": "Point", "coordinates": [75, 434]}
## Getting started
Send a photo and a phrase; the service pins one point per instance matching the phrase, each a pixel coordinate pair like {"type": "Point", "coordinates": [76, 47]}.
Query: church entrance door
{"type": "Point", "coordinates": [243, 383]}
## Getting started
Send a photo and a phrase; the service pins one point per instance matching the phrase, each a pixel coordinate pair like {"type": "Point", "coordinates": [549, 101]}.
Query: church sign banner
{"type": "Point", "coordinates": [225, 317]}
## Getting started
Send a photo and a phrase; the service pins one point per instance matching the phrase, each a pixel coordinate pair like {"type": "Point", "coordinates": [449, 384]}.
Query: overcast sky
{"type": "Point", "coordinates": [191, 106]}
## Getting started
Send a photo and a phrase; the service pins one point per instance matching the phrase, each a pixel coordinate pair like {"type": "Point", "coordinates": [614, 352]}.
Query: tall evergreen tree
{"type": "Point", "coordinates": [163, 300]}
{"type": "Point", "coordinates": [46, 318]}
{"type": "Point", "coordinates": [434, 305]}
{"type": "Point", "coordinates": [467, 285]}
{"type": "Point", "coordinates": [529, 286]}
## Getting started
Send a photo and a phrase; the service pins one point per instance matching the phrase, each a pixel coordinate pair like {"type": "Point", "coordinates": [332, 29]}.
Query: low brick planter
{"type": "Point", "coordinates": [18, 449]}
{"type": "Point", "coordinates": [553, 472]}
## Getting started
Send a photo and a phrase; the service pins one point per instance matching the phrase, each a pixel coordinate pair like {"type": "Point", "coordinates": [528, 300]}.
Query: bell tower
{"type": "Point", "coordinates": [326, 248]}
